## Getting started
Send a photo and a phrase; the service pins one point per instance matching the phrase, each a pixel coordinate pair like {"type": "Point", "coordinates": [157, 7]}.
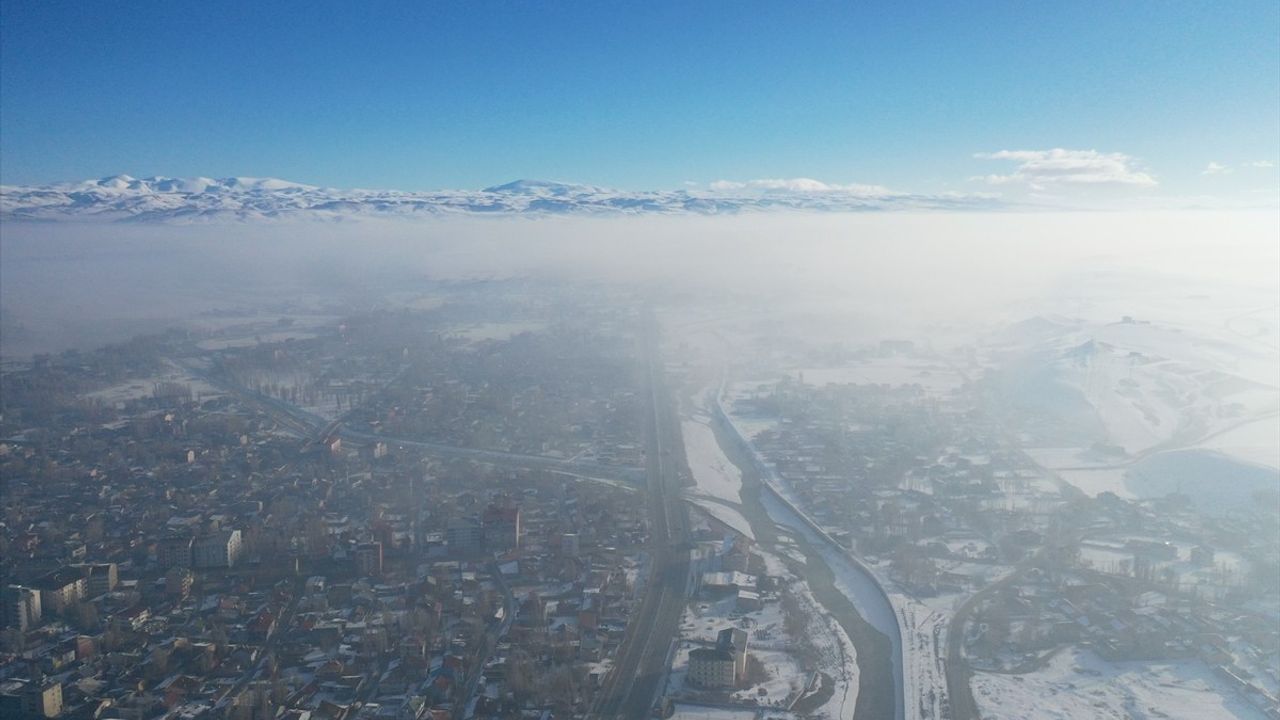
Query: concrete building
{"type": "Point", "coordinates": [728, 582]}
{"type": "Point", "coordinates": [711, 668]}
{"type": "Point", "coordinates": [22, 699]}
{"type": "Point", "coordinates": [368, 559]}
{"type": "Point", "coordinates": [100, 578]}
{"type": "Point", "coordinates": [722, 666]}
{"type": "Point", "coordinates": [220, 549]}
{"type": "Point", "coordinates": [22, 609]}
{"type": "Point", "coordinates": [175, 551]}
{"type": "Point", "coordinates": [61, 589]}
{"type": "Point", "coordinates": [570, 544]}
{"type": "Point", "coordinates": [464, 536]}
{"type": "Point", "coordinates": [178, 582]}
{"type": "Point", "coordinates": [501, 526]}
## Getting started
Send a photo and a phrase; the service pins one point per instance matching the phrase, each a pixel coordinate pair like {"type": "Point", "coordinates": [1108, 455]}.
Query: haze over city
{"type": "Point", "coordinates": [711, 362]}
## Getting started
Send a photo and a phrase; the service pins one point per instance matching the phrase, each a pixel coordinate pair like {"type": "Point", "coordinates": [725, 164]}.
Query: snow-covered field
{"type": "Point", "coordinates": [748, 423]}
{"type": "Point", "coordinates": [145, 387]}
{"type": "Point", "coordinates": [1056, 458]}
{"type": "Point", "coordinates": [935, 378]}
{"type": "Point", "coordinates": [1078, 684]}
{"type": "Point", "coordinates": [785, 679]}
{"type": "Point", "coordinates": [493, 331]}
{"type": "Point", "coordinates": [724, 514]}
{"type": "Point", "coordinates": [1257, 442]}
{"type": "Point", "coordinates": [1106, 559]}
{"type": "Point", "coordinates": [716, 476]}
{"type": "Point", "coordinates": [717, 487]}
{"type": "Point", "coordinates": [250, 340]}
{"type": "Point", "coordinates": [1093, 481]}
{"type": "Point", "coordinates": [1109, 554]}
{"type": "Point", "coordinates": [1144, 386]}
{"type": "Point", "coordinates": [1213, 480]}
{"type": "Point", "coordinates": [686, 711]}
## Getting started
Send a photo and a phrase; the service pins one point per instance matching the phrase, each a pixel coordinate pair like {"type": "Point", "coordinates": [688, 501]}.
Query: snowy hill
{"type": "Point", "coordinates": [543, 187]}
{"type": "Point", "coordinates": [200, 199]}
{"type": "Point", "coordinates": [1139, 386]}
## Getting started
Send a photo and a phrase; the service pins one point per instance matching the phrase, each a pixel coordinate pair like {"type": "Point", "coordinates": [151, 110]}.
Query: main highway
{"type": "Point", "coordinates": [630, 690]}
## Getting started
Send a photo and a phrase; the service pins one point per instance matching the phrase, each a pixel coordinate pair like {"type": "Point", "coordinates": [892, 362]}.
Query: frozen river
{"type": "Point", "coordinates": [851, 578]}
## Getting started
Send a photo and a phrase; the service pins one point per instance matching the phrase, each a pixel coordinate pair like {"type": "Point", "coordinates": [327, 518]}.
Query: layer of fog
{"type": "Point", "coordinates": [65, 285]}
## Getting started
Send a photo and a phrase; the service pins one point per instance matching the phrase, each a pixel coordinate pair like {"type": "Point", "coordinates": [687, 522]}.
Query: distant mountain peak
{"type": "Point", "coordinates": [541, 187]}
{"type": "Point", "coordinates": [160, 199]}
{"type": "Point", "coordinates": [116, 181]}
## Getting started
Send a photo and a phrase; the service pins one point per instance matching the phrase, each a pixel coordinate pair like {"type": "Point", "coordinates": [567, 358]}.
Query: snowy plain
{"type": "Point", "coordinates": [1079, 684]}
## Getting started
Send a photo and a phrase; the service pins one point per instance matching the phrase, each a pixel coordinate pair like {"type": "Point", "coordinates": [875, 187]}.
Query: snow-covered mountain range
{"type": "Point", "coordinates": [185, 200]}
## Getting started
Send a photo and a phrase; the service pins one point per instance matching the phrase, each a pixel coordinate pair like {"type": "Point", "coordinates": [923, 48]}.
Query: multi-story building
{"type": "Point", "coordinates": [570, 544]}
{"type": "Point", "coordinates": [22, 609]}
{"type": "Point", "coordinates": [724, 665]}
{"type": "Point", "coordinates": [711, 667]}
{"type": "Point", "coordinates": [178, 582]}
{"type": "Point", "coordinates": [174, 551]}
{"type": "Point", "coordinates": [219, 549]}
{"type": "Point", "coordinates": [22, 699]}
{"type": "Point", "coordinates": [464, 536]}
{"type": "Point", "coordinates": [100, 578]}
{"type": "Point", "coordinates": [368, 557]}
{"type": "Point", "coordinates": [501, 527]}
{"type": "Point", "coordinates": [61, 589]}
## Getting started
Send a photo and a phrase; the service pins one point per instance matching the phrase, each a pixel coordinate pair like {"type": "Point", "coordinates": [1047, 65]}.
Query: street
{"type": "Point", "coordinates": [629, 691]}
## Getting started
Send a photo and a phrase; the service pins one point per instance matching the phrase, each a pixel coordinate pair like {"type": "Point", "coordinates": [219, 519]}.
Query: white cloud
{"type": "Point", "coordinates": [1214, 168]}
{"type": "Point", "coordinates": [1042, 168]}
{"type": "Point", "coordinates": [1262, 164]}
{"type": "Point", "coordinates": [797, 185]}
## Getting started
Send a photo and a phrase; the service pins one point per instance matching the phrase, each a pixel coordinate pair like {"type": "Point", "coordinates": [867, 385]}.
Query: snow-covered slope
{"type": "Point", "coordinates": [164, 199]}
{"type": "Point", "coordinates": [1140, 386]}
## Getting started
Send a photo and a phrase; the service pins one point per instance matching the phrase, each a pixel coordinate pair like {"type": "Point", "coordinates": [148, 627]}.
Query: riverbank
{"type": "Point", "coordinates": [874, 650]}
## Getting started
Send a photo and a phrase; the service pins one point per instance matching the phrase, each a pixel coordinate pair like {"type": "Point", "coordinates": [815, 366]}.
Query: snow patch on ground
{"type": "Point", "coordinates": [139, 388]}
{"type": "Point", "coordinates": [1256, 442]}
{"type": "Point", "coordinates": [253, 340]}
{"type": "Point", "coordinates": [724, 514]}
{"type": "Point", "coordinates": [836, 652]}
{"type": "Point", "coordinates": [686, 711]}
{"type": "Point", "coordinates": [785, 679]}
{"type": "Point", "coordinates": [716, 476]}
{"type": "Point", "coordinates": [1214, 481]}
{"type": "Point", "coordinates": [492, 331]}
{"type": "Point", "coordinates": [717, 487]}
{"type": "Point", "coordinates": [935, 379]}
{"type": "Point", "coordinates": [1094, 481]}
{"type": "Point", "coordinates": [1078, 684]}
{"type": "Point", "coordinates": [1146, 386]}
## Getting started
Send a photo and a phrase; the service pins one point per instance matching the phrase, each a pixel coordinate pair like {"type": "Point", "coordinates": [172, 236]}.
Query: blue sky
{"type": "Point", "coordinates": [439, 95]}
